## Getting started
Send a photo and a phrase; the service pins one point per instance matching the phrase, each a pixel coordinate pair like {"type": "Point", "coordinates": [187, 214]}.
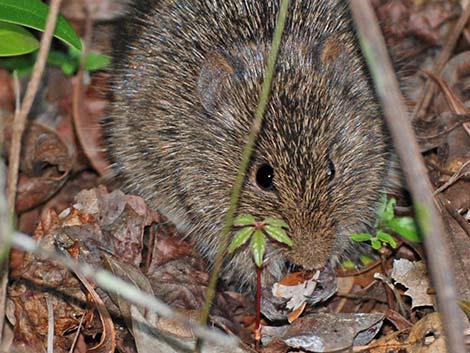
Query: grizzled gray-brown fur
{"type": "Point", "coordinates": [186, 80]}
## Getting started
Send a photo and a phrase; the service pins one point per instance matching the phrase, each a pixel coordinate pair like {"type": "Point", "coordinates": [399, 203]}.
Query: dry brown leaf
{"type": "Point", "coordinates": [413, 275]}
{"type": "Point", "coordinates": [326, 332]}
{"type": "Point", "coordinates": [426, 336]}
{"type": "Point", "coordinates": [45, 164]}
{"type": "Point", "coordinates": [297, 292]}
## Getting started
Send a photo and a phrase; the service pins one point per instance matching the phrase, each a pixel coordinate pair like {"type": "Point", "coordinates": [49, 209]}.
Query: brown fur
{"type": "Point", "coordinates": [187, 77]}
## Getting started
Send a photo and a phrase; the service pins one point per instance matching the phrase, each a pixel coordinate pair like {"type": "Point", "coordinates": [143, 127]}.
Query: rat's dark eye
{"type": "Point", "coordinates": [331, 170]}
{"type": "Point", "coordinates": [265, 176]}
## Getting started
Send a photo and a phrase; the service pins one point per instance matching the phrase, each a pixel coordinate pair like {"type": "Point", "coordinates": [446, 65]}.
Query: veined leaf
{"type": "Point", "coordinates": [278, 234]}
{"type": "Point", "coordinates": [244, 220]}
{"type": "Point", "coordinates": [258, 247]}
{"type": "Point", "coordinates": [276, 222]}
{"type": "Point", "coordinates": [33, 14]}
{"type": "Point", "coordinates": [240, 238]}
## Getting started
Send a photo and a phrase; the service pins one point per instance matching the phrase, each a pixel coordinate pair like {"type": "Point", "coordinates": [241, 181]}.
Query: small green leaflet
{"type": "Point", "coordinates": [276, 222]}
{"type": "Point", "coordinates": [258, 247]}
{"type": "Point", "coordinates": [361, 237]}
{"type": "Point", "coordinates": [348, 264]}
{"type": "Point", "coordinates": [33, 14]}
{"type": "Point", "coordinates": [278, 234]}
{"type": "Point", "coordinates": [240, 238]}
{"type": "Point", "coordinates": [376, 244]}
{"type": "Point", "coordinates": [406, 227]}
{"type": "Point", "coordinates": [386, 238]}
{"type": "Point", "coordinates": [365, 260]}
{"type": "Point", "coordinates": [15, 40]}
{"type": "Point", "coordinates": [388, 211]}
{"type": "Point", "coordinates": [271, 226]}
{"type": "Point", "coordinates": [244, 220]}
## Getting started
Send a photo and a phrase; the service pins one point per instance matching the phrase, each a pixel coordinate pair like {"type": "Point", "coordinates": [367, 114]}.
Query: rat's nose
{"type": "Point", "coordinates": [310, 250]}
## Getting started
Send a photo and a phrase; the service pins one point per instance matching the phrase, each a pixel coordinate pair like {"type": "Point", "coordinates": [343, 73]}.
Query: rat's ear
{"type": "Point", "coordinates": [215, 74]}
{"type": "Point", "coordinates": [334, 51]}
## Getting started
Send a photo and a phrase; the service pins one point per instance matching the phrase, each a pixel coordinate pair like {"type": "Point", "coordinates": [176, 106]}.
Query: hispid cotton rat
{"type": "Point", "coordinates": [186, 81]}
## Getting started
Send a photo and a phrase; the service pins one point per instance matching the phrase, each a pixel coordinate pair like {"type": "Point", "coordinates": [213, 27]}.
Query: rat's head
{"type": "Point", "coordinates": [322, 154]}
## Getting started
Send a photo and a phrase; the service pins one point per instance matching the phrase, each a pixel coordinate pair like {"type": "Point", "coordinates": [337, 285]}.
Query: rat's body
{"type": "Point", "coordinates": [186, 84]}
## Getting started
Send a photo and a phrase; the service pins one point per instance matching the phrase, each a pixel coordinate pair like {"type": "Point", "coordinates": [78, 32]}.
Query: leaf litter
{"type": "Point", "coordinates": [62, 205]}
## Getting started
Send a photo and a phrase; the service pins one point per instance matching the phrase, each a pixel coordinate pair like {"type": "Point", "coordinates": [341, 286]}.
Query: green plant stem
{"type": "Point", "coordinates": [246, 156]}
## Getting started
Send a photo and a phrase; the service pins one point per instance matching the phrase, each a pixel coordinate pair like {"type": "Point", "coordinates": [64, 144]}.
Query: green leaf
{"type": "Point", "coordinates": [405, 227]}
{"type": "Point", "coordinates": [376, 244]}
{"type": "Point", "coordinates": [33, 14]}
{"type": "Point", "coordinates": [23, 64]}
{"type": "Point", "coordinates": [276, 222]}
{"type": "Point", "coordinates": [96, 61]}
{"type": "Point", "coordinates": [278, 234]}
{"type": "Point", "coordinates": [15, 40]}
{"type": "Point", "coordinates": [66, 63]}
{"type": "Point", "coordinates": [389, 211]}
{"type": "Point", "coordinates": [69, 63]}
{"type": "Point", "coordinates": [240, 238]}
{"type": "Point", "coordinates": [365, 260]}
{"type": "Point", "coordinates": [387, 238]}
{"type": "Point", "coordinates": [361, 237]}
{"type": "Point", "coordinates": [258, 246]}
{"type": "Point", "coordinates": [381, 207]}
{"type": "Point", "coordinates": [348, 264]}
{"type": "Point", "coordinates": [244, 220]}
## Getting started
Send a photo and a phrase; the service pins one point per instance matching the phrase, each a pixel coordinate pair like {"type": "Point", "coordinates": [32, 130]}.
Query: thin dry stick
{"type": "Point", "coordinates": [454, 178]}
{"type": "Point", "coordinates": [50, 325]}
{"type": "Point", "coordinates": [429, 88]}
{"type": "Point", "coordinates": [19, 124]}
{"type": "Point", "coordinates": [429, 220]}
{"type": "Point", "coordinates": [455, 214]}
{"type": "Point", "coordinates": [77, 334]}
{"type": "Point", "coordinates": [6, 230]}
{"type": "Point", "coordinates": [20, 118]}
{"type": "Point", "coordinates": [246, 156]}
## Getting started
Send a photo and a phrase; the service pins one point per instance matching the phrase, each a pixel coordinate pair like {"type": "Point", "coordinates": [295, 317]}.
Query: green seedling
{"type": "Point", "coordinates": [257, 231]}
{"type": "Point", "coordinates": [387, 222]}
